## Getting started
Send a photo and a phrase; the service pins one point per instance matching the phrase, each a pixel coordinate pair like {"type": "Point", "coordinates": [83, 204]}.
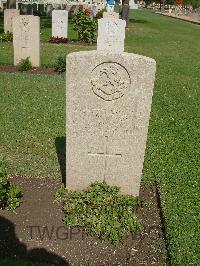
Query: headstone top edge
{"type": "Point", "coordinates": [107, 53]}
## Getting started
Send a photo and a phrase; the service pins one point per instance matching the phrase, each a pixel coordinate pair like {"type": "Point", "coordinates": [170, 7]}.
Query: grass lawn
{"type": "Point", "coordinates": [32, 115]}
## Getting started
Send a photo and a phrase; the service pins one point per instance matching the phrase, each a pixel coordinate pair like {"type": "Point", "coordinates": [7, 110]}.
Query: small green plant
{"type": "Point", "coordinates": [85, 24]}
{"type": "Point", "coordinates": [24, 64]}
{"type": "Point", "coordinates": [101, 210]}
{"type": "Point", "coordinates": [9, 194]}
{"type": "Point", "coordinates": [60, 64]}
{"type": "Point", "coordinates": [6, 37]}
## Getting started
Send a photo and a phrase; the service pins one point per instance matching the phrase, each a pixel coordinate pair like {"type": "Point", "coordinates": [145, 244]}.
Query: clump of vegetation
{"type": "Point", "coordinates": [60, 64]}
{"type": "Point", "coordinates": [24, 64]}
{"type": "Point", "coordinates": [101, 210]}
{"type": "Point", "coordinates": [9, 193]}
{"type": "Point", "coordinates": [6, 37]}
{"type": "Point", "coordinates": [85, 24]}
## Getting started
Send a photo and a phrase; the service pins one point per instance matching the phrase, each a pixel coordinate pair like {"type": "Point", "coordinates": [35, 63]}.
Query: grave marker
{"type": "Point", "coordinates": [111, 34]}
{"type": "Point", "coordinates": [108, 110]}
{"type": "Point", "coordinates": [26, 39]}
{"type": "Point", "coordinates": [59, 23]}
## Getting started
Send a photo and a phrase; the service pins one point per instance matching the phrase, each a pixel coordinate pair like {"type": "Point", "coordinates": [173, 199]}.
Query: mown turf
{"type": "Point", "coordinates": [30, 122]}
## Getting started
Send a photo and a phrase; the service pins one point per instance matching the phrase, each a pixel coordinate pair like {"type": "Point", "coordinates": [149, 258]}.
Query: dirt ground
{"type": "Point", "coordinates": [35, 231]}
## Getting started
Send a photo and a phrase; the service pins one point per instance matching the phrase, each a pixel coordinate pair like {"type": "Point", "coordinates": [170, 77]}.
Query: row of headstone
{"type": "Point", "coordinates": [108, 110]}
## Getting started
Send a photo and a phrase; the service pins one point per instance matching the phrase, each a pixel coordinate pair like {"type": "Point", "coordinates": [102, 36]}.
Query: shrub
{"type": "Point", "coordinates": [101, 210]}
{"type": "Point", "coordinates": [24, 64]}
{"type": "Point", "coordinates": [85, 24]}
{"type": "Point", "coordinates": [6, 37]}
{"type": "Point", "coordinates": [9, 194]}
{"type": "Point", "coordinates": [60, 64]}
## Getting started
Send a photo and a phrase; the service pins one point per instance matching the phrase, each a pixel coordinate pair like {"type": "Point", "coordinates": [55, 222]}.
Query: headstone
{"type": "Point", "coordinates": [110, 15]}
{"type": "Point", "coordinates": [59, 23]}
{"type": "Point", "coordinates": [133, 5]}
{"type": "Point", "coordinates": [111, 34]}
{"type": "Point", "coordinates": [108, 109]}
{"type": "Point", "coordinates": [26, 39]}
{"type": "Point", "coordinates": [9, 14]}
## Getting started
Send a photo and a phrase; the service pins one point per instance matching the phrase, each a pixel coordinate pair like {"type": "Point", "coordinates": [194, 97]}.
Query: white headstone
{"type": "Point", "coordinates": [111, 34]}
{"type": "Point", "coordinates": [133, 5]}
{"type": "Point", "coordinates": [26, 39]}
{"type": "Point", "coordinates": [59, 23]}
{"type": "Point", "coordinates": [9, 14]}
{"type": "Point", "coordinates": [108, 109]}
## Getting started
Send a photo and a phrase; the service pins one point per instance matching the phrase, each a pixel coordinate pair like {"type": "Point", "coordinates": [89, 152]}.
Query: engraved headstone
{"type": "Point", "coordinates": [108, 110]}
{"type": "Point", "coordinates": [111, 34]}
{"type": "Point", "coordinates": [59, 23]}
{"type": "Point", "coordinates": [110, 15]}
{"type": "Point", "coordinates": [26, 39]}
{"type": "Point", "coordinates": [9, 14]}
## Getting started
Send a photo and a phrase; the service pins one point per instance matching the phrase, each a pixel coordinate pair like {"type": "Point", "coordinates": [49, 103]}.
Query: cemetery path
{"type": "Point", "coordinates": [35, 231]}
{"type": "Point", "coordinates": [38, 70]}
{"type": "Point", "coordinates": [193, 19]}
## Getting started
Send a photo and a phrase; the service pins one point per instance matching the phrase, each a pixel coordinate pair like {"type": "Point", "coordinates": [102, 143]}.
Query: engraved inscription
{"type": "Point", "coordinates": [105, 154]}
{"type": "Point", "coordinates": [110, 81]}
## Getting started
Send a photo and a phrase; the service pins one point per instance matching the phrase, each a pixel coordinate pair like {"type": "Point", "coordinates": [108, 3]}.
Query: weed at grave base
{"type": "Point", "coordinates": [101, 210]}
{"type": "Point", "coordinates": [60, 64]}
{"type": "Point", "coordinates": [24, 65]}
{"type": "Point", "coordinates": [9, 194]}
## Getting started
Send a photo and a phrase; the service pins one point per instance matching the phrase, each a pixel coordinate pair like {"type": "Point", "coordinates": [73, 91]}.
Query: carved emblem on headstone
{"type": "Point", "coordinates": [110, 81]}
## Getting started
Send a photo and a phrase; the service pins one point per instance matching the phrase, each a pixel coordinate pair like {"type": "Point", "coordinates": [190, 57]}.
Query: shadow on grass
{"type": "Point", "coordinates": [132, 20]}
{"type": "Point", "coordinates": [60, 143]}
{"type": "Point", "coordinates": [14, 252]}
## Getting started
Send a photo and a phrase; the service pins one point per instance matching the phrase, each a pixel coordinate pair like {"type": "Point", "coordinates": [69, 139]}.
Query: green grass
{"type": "Point", "coordinates": [32, 116]}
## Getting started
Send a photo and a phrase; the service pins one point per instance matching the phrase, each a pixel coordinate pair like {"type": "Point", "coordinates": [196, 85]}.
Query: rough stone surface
{"type": "Point", "coordinates": [8, 18]}
{"type": "Point", "coordinates": [110, 15]}
{"type": "Point", "coordinates": [108, 109]}
{"type": "Point", "coordinates": [59, 23]}
{"type": "Point", "coordinates": [111, 35]}
{"type": "Point", "coordinates": [26, 39]}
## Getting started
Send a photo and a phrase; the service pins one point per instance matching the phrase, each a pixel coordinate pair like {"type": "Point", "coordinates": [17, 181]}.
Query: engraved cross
{"type": "Point", "coordinates": [106, 155]}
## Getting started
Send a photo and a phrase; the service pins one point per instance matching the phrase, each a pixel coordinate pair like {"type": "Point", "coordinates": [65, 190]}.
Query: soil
{"type": "Point", "coordinates": [37, 70]}
{"type": "Point", "coordinates": [35, 232]}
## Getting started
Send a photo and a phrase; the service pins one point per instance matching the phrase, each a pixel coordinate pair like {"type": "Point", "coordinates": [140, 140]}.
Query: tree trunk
{"type": "Point", "coordinates": [11, 4]}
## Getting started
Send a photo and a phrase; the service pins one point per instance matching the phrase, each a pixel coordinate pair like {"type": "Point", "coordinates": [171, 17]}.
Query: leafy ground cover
{"type": "Point", "coordinates": [32, 116]}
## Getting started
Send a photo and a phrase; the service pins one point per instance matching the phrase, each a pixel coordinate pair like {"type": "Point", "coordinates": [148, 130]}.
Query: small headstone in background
{"type": "Point", "coordinates": [9, 14]}
{"type": "Point", "coordinates": [111, 34]}
{"type": "Point", "coordinates": [110, 15]}
{"type": "Point", "coordinates": [59, 23]}
{"type": "Point", "coordinates": [26, 39]}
